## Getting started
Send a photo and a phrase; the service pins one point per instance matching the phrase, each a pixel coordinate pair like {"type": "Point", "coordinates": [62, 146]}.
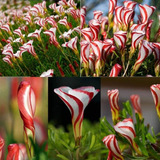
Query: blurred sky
{"type": "Point", "coordinates": [104, 7]}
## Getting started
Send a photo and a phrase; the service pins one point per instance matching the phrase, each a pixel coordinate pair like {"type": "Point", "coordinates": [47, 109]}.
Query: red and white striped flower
{"type": "Point", "coordinates": [146, 11]}
{"type": "Point", "coordinates": [92, 60]}
{"type": "Point", "coordinates": [87, 34]}
{"type": "Point", "coordinates": [36, 34]}
{"type": "Point", "coordinates": [138, 27]}
{"type": "Point", "coordinates": [83, 10]}
{"type": "Point", "coordinates": [8, 51]}
{"type": "Point", "coordinates": [51, 21]}
{"type": "Point", "coordinates": [95, 28]}
{"type": "Point", "coordinates": [130, 4]}
{"type": "Point", "coordinates": [157, 58]}
{"type": "Point", "coordinates": [52, 33]}
{"type": "Point", "coordinates": [135, 99]}
{"type": "Point", "coordinates": [18, 32]}
{"type": "Point", "coordinates": [64, 22]}
{"type": "Point", "coordinates": [148, 30]}
{"type": "Point", "coordinates": [72, 44]}
{"type": "Point", "coordinates": [85, 51]}
{"type": "Point", "coordinates": [28, 18]}
{"type": "Point", "coordinates": [104, 23]}
{"type": "Point", "coordinates": [60, 10]}
{"type": "Point", "coordinates": [115, 70]}
{"type": "Point", "coordinates": [6, 28]}
{"type": "Point", "coordinates": [28, 47]}
{"type": "Point", "coordinates": [111, 143]}
{"type": "Point", "coordinates": [155, 90]}
{"type": "Point", "coordinates": [27, 107]}
{"type": "Point", "coordinates": [119, 14]}
{"type": "Point", "coordinates": [7, 59]}
{"type": "Point", "coordinates": [137, 37]}
{"type": "Point", "coordinates": [41, 22]}
{"type": "Point", "coordinates": [82, 20]}
{"type": "Point", "coordinates": [76, 101]}
{"type": "Point", "coordinates": [71, 3]}
{"type": "Point", "coordinates": [48, 73]}
{"type": "Point", "coordinates": [145, 50]}
{"type": "Point", "coordinates": [53, 6]}
{"type": "Point", "coordinates": [98, 15]}
{"type": "Point", "coordinates": [74, 13]}
{"type": "Point", "coordinates": [128, 15]}
{"type": "Point", "coordinates": [112, 5]}
{"type": "Point", "coordinates": [37, 10]}
{"type": "Point", "coordinates": [120, 38]}
{"type": "Point", "coordinates": [66, 34]}
{"type": "Point", "coordinates": [40, 131]}
{"type": "Point", "coordinates": [1, 147]}
{"type": "Point", "coordinates": [126, 129]}
{"type": "Point", "coordinates": [63, 3]}
{"type": "Point", "coordinates": [113, 96]}
{"type": "Point", "coordinates": [17, 152]}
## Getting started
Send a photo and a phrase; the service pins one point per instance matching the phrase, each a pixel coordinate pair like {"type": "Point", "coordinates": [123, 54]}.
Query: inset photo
{"type": "Point", "coordinates": [24, 118]}
{"type": "Point", "coordinates": [74, 114]}
{"type": "Point", "coordinates": [120, 38]}
{"type": "Point", "coordinates": [130, 113]}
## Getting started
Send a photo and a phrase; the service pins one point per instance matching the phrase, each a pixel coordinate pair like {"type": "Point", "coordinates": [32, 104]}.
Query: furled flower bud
{"type": "Point", "coordinates": [128, 14]}
{"type": "Point", "coordinates": [64, 22]}
{"type": "Point", "coordinates": [135, 99]}
{"type": "Point", "coordinates": [112, 5]}
{"type": "Point", "coordinates": [146, 11]}
{"type": "Point", "coordinates": [119, 15]}
{"type": "Point", "coordinates": [17, 152]}
{"type": "Point", "coordinates": [76, 101]}
{"type": "Point", "coordinates": [157, 58]}
{"type": "Point", "coordinates": [1, 147]}
{"type": "Point", "coordinates": [27, 107]}
{"type": "Point", "coordinates": [92, 60]}
{"type": "Point", "coordinates": [87, 34]}
{"type": "Point", "coordinates": [113, 96]}
{"type": "Point", "coordinates": [148, 30]}
{"type": "Point", "coordinates": [111, 143]}
{"type": "Point", "coordinates": [155, 90]}
{"type": "Point", "coordinates": [36, 34]}
{"type": "Point", "coordinates": [130, 4]}
{"type": "Point", "coordinates": [115, 70]}
{"type": "Point", "coordinates": [126, 129]}
{"type": "Point", "coordinates": [98, 15]}
{"type": "Point", "coordinates": [48, 73]}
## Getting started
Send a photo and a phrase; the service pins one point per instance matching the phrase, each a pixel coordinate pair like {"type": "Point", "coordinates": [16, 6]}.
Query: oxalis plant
{"type": "Point", "coordinates": [116, 45]}
{"type": "Point", "coordinates": [129, 139]}
{"type": "Point", "coordinates": [40, 40]}
{"type": "Point", "coordinates": [73, 144]}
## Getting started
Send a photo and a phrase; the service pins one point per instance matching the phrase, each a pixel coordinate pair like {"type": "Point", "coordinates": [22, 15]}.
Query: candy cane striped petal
{"type": "Point", "coordinates": [1, 146]}
{"type": "Point", "coordinates": [85, 51]}
{"type": "Point", "coordinates": [87, 34]}
{"type": "Point", "coordinates": [112, 5]}
{"type": "Point", "coordinates": [146, 11]}
{"type": "Point", "coordinates": [115, 70]}
{"type": "Point", "coordinates": [111, 143]}
{"type": "Point", "coordinates": [155, 90]}
{"type": "Point", "coordinates": [92, 59]}
{"type": "Point", "coordinates": [156, 50]}
{"type": "Point", "coordinates": [98, 15]}
{"type": "Point", "coordinates": [119, 13]}
{"type": "Point", "coordinates": [48, 73]}
{"type": "Point", "coordinates": [130, 4]}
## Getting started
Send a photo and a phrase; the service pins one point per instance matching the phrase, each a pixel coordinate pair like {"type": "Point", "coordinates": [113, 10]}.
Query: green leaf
{"type": "Point", "coordinates": [150, 138]}
{"type": "Point", "coordinates": [128, 107]}
{"type": "Point", "coordinates": [92, 141]}
{"type": "Point", "coordinates": [62, 157]}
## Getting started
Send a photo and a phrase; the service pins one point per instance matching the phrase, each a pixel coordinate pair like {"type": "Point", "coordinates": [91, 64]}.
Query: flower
{"type": "Point", "coordinates": [128, 15]}
{"type": "Point", "coordinates": [111, 143]}
{"type": "Point", "coordinates": [36, 34]}
{"type": "Point", "coordinates": [8, 51]}
{"type": "Point", "coordinates": [130, 4]}
{"type": "Point", "coordinates": [145, 50]}
{"type": "Point", "coordinates": [112, 5]}
{"type": "Point", "coordinates": [157, 58]}
{"type": "Point", "coordinates": [27, 107]}
{"type": "Point", "coordinates": [146, 11]}
{"type": "Point", "coordinates": [115, 70]}
{"type": "Point", "coordinates": [48, 73]}
{"type": "Point", "coordinates": [135, 99]}
{"type": "Point", "coordinates": [155, 90]}
{"type": "Point", "coordinates": [76, 101]}
{"type": "Point", "coordinates": [92, 59]}
{"type": "Point", "coordinates": [17, 152]}
{"type": "Point", "coordinates": [113, 96]}
{"type": "Point", "coordinates": [126, 129]}
{"type": "Point", "coordinates": [64, 22]}
{"type": "Point", "coordinates": [1, 146]}
{"type": "Point", "coordinates": [120, 38]}
{"type": "Point", "coordinates": [87, 34]}
{"type": "Point", "coordinates": [18, 32]}
{"type": "Point", "coordinates": [6, 28]}
{"type": "Point", "coordinates": [98, 15]}
{"type": "Point", "coordinates": [8, 60]}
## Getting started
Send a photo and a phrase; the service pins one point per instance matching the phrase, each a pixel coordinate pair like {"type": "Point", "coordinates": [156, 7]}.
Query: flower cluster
{"type": "Point", "coordinates": [125, 127]}
{"type": "Point", "coordinates": [49, 35]}
{"type": "Point", "coordinates": [116, 45]}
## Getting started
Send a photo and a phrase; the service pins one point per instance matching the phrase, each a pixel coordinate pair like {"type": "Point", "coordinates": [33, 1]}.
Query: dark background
{"type": "Point", "coordinates": [59, 113]}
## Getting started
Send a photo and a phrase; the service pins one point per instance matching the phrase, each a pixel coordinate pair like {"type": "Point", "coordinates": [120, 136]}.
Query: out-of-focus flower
{"type": "Point", "coordinates": [98, 15]}
{"type": "Point", "coordinates": [8, 60]}
{"type": "Point", "coordinates": [76, 101]}
{"type": "Point", "coordinates": [112, 5]}
{"type": "Point", "coordinates": [146, 11]}
{"type": "Point", "coordinates": [27, 107]}
{"type": "Point", "coordinates": [64, 22]}
{"type": "Point", "coordinates": [1, 147]}
{"type": "Point", "coordinates": [126, 129]}
{"type": "Point", "coordinates": [48, 73]}
{"type": "Point", "coordinates": [18, 32]}
{"type": "Point", "coordinates": [113, 96]}
{"type": "Point", "coordinates": [17, 152]}
{"type": "Point", "coordinates": [8, 51]}
{"type": "Point", "coordinates": [36, 34]}
{"type": "Point", "coordinates": [115, 70]}
{"type": "Point", "coordinates": [6, 28]}
{"type": "Point", "coordinates": [135, 99]}
{"type": "Point", "coordinates": [111, 143]}
{"type": "Point", "coordinates": [40, 131]}
{"type": "Point", "coordinates": [155, 90]}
